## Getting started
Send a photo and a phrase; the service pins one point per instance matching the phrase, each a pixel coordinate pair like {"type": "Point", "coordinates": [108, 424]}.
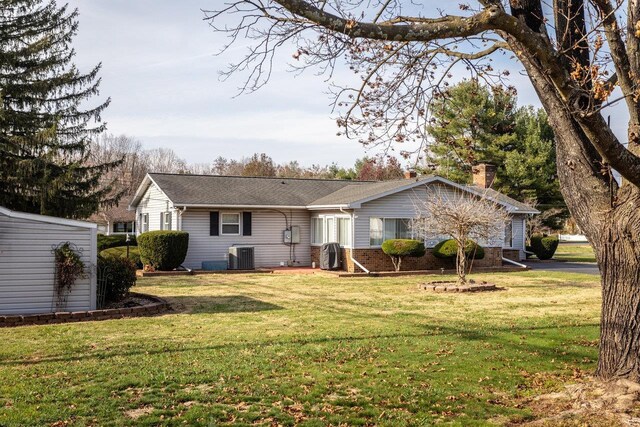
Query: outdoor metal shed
{"type": "Point", "coordinates": [27, 263]}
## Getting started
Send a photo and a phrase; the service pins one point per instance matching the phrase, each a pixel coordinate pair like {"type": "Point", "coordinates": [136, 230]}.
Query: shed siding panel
{"type": "Point", "coordinates": [27, 266]}
{"type": "Point", "coordinates": [267, 229]}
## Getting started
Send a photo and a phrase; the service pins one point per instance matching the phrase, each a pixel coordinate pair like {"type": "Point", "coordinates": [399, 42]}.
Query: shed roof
{"type": "Point", "coordinates": [46, 219]}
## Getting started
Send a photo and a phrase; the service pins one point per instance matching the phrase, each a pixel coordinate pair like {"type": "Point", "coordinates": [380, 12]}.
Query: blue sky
{"type": "Point", "coordinates": [160, 70]}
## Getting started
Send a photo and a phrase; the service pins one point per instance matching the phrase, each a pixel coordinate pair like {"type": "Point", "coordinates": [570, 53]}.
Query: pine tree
{"type": "Point", "coordinates": [45, 128]}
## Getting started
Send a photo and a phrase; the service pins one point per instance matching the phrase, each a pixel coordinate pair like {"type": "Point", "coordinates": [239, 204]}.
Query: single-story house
{"type": "Point", "coordinates": [27, 263]}
{"type": "Point", "coordinates": [287, 220]}
{"type": "Point", "coordinates": [115, 220]}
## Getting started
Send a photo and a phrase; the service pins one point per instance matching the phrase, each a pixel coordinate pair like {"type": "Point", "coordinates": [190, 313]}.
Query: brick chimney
{"type": "Point", "coordinates": [410, 174]}
{"type": "Point", "coordinates": [483, 175]}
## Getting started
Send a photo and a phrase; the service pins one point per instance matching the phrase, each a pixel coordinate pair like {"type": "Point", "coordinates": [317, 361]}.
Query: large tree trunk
{"type": "Point", "coordinates": [610, 217]}
{"type": "Point", "coordinates": [618, 253]}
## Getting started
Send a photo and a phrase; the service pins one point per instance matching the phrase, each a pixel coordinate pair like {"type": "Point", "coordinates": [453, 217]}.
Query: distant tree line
{"type": "Point", "coordinates": [134, 162]}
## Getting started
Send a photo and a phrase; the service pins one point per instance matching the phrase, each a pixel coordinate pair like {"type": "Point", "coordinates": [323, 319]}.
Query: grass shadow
{"type": "Point", "coordinates": [219, 304]}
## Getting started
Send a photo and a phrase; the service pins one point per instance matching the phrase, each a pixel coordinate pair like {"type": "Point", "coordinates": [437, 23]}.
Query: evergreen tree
{"type": "Point", "coordinates": [471, 123]}
{"type": "Point", "coordinates": [45, 129]}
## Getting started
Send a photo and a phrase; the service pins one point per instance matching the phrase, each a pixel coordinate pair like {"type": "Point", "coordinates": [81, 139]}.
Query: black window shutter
{"type": "Point", "coordinates": [168, 218]}
{"type": "Point", "coordinates": [161, 220]}
{"type": "Point", "coordinates": [214, 223]}
{"type": "Point", "coordinates": [246, 223]}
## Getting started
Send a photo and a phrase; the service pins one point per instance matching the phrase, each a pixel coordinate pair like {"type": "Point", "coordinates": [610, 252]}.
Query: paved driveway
{"type": "Point", "coordinates": [567, 267]}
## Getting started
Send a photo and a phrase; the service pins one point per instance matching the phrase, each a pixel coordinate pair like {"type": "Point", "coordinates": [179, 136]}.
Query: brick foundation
{"type": "Point", "coordinates": [375, 260]}
{"type": "Point", "coordinates": [512, 254]}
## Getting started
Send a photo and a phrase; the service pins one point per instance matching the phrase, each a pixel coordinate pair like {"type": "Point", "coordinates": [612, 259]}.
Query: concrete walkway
{"type": "Point", "coordinates": [567, 267]}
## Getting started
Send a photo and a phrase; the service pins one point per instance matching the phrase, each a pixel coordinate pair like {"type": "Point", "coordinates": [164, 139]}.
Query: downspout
{"type": "Point", "coordinates": [353, 241]}
{"type": "Point", "coordinates": [514, 262]}
{"type": "Point", "coordinates": [180, 212]}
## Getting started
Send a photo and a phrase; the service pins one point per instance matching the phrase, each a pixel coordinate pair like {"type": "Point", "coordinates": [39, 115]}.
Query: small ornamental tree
{"type": "Point", "coordinates": [398, 249]}
{"type": "Point", "coordinates": [460, 216]}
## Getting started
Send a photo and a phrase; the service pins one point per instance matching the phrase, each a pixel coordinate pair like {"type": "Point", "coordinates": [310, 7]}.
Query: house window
{"type": "Point", "coordinates": [165, 220]}
{"type": "Point", "coordinates": [381, 229]}
{"type": "Point", "coordinates": [230, 223]}
{"type": "Point", "coordinates": [331, 228]}
{"type": "Point", "coordinates": [145, 222]}
{"type": "Point", "coordinates": [508, 234]}
{"type": "Point", "coordinates": [123, 227]}
{"type": "Point", "coordinates": [344, 231]}
{"type": "Point", "coordinates": [376, 231]}
{"type": "Point", "coordinates": [317, 230]}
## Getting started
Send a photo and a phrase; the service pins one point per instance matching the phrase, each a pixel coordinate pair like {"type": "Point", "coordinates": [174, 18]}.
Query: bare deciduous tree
{"type": "Point", "coordinates": [575, 53]}
{"type": "Point", "coordinates": [460, 216]}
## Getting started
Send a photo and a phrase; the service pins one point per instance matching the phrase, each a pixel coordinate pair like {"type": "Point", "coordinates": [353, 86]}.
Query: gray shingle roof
{"type": "Point", "coordinates": [245, 191]}
{"type": "Point", "coordinates": [354, 193]}
{"type": "Point", "coordinates": [215, 190]}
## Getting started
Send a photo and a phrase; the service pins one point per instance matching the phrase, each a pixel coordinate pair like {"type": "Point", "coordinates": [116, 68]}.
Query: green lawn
{"type": "Point", "coordinates": [575, 253]}
{"type": "Point", "coordinates": [307, 350]}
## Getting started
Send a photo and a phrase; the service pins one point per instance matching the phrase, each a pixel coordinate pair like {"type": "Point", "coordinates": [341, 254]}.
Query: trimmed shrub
{"type": "Point", "coordinates": [448, 249]}
{"type": "Point", "coordinates": [544, 246]}
{"type": "Point", "coordinates": [117, 275]}
{"type": "Point", "coordinates": [121, 252]}
{"type": "Point", "coordinates": [106, 242]}
{"type": "Point", "coordinates": [398, 249]}
{"type": "Point", "coordinates": [163, 250]}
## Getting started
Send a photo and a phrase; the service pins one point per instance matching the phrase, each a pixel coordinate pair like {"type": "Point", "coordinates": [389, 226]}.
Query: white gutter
{"type": "Point", "coordinates": [514, 263]}
{"type": "Point", "coordinates": [353, 241]}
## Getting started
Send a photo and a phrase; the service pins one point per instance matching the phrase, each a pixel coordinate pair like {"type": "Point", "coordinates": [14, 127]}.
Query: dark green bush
{"type": "Point", "coordinates": [448, 249]}
{"type": "Point", "coordinates": [121, 252]}
{"type": "Point", "coordinates": [106, 242]}
{"type": "Point", "coordinates": [401, 248]}
{"type": "Point", "coordinates": [163, 250]}
{"type": "Point", "coordinates": [115, 277]}
{"type": "Point", "coordinates": [544, 246]}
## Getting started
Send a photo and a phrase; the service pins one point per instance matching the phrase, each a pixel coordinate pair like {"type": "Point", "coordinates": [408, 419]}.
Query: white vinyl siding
{"type": "Point", "coordinates": [153, 204]}
{"type": "Point", "coordinates": [400, 205]}
{"type": "Point", "coordinates": [266, 237]}
{"type": "Point", "coordinates": [27, 266]}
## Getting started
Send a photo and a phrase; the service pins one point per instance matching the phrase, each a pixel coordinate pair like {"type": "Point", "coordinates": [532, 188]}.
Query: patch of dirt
{"type": "Point", "coordinates": [590, 403]}
{"type": "Point", "coordinates": [134, 414]}
{"type": "Point", "coordinates": [130, 301]}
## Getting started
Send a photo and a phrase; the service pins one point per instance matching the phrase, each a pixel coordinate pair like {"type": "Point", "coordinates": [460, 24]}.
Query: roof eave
{"type": "Point", "coordinates": [226, 206]}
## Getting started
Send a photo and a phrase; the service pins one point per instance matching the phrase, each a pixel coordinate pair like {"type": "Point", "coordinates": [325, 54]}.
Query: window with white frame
{"type": "Point", "coordinates": [344, 231]}
{"type": "Point", "coordinates": [508, 234]}
{"type": "Point", "coordinates": [230, 223]}
{"type": "Point", "coordinates": [144, 222]}
{"type": "Point", "coordinates": [331, 228]}
{"type": "Point", "coordinates": [381, 229]}
{"type": "Point", "coordinates": [123, 227]}
{"type": "Point", "coordinates": [165, 220]}
{"type": "Point", "coordinates": [317, 230]}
